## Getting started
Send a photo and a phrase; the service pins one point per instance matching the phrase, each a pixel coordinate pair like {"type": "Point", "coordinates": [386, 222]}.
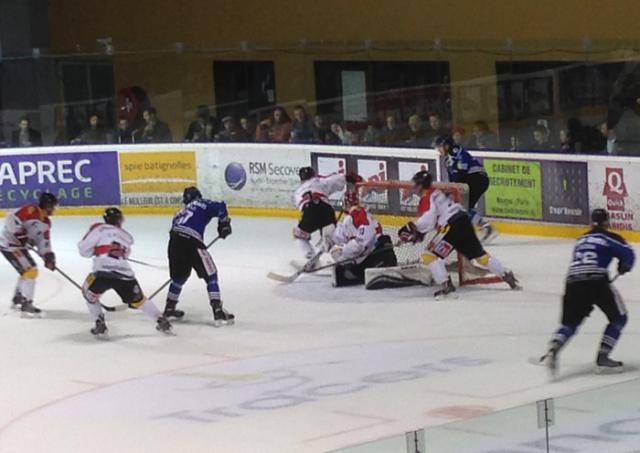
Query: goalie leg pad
{"type": "Point", "coordinates": [397, 276]}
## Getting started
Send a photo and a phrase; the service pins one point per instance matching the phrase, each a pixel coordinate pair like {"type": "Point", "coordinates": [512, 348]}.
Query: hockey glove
{"type": "Point", "coordinates": [353, 177]}
{"type": "Point", "coordinates": [336, 252]}
{"type": "Point", "coordinates": [623, 268]}
{"type": "Point", "coordinates": [224, 227]}
{"type": "Point", "coordinates": [50, 261]}
{"type": "Point", "coordinates": [410, 233]}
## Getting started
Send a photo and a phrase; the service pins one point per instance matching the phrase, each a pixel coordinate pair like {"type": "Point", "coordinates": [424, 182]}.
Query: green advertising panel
{"type": "Point", "coordinates": [515, 190]}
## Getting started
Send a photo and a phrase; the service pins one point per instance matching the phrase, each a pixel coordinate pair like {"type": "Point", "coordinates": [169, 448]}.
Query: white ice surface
{"type": "Point", "coordinates": [307, 368]}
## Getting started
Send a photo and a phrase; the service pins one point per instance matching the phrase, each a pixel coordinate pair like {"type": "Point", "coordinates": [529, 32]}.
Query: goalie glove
{"type": "Point", "coordinates": [410, 233]}
{"type": "Point", "coordinates": [224, 227]}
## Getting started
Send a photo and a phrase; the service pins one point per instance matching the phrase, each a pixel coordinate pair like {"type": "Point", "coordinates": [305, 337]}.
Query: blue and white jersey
{"type": "Point", "coordinates": [193, 219]}
{"type": "Point", "coordinates": [460, 163]}
{"type": "Point", "coordinates": [594, 252]}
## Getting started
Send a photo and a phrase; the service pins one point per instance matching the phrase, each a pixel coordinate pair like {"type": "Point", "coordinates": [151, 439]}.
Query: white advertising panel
{"type": "Point", "coordinates": [615, 186]}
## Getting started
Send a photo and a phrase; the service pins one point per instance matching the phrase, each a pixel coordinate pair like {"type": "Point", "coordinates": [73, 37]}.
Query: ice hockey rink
{"type": "Point", "coordinates": [306, 368]}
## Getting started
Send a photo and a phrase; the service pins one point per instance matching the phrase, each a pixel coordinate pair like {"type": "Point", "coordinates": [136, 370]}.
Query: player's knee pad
{"type": "Point", "coordinates": [30, 274]}
{"type": "Point", "coordinates": [300, 234]}
{"type": "Point", "coordinates": [483, 260]}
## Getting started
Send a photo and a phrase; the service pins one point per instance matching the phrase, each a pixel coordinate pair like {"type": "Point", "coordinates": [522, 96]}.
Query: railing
{"type": "Point", "coordinates": [595, 421]}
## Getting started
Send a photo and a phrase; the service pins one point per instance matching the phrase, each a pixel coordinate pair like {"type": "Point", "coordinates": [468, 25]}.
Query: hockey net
{"type": "Point", "coordinates": [394, 203]}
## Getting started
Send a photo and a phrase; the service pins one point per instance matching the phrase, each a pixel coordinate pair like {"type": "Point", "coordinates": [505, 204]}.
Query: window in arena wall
{"type": "Point", "coordinates": [88, 87]}
{"type": "Point", "coordinates": [244, 88]}
{"type": "Point", "coordinates": [399, 88]}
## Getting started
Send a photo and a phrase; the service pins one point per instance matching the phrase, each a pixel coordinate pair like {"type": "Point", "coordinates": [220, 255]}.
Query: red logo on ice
{"type": "Point", "coordinates": [615, 189]}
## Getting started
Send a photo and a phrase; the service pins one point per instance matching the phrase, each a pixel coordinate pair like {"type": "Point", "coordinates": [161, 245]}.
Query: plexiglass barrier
{"type": "Point", "coordinates": [602, 420]}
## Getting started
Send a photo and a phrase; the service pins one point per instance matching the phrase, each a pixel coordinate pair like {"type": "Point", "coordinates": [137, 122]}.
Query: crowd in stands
{"type": "Point", "coordinates": [278, 127]}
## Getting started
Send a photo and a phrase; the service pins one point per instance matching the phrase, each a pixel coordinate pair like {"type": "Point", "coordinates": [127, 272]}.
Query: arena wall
{"type": "Point", "coordinates": [531, 194]}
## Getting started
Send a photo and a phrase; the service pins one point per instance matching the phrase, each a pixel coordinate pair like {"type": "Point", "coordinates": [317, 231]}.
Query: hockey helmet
{"type": "Point", "coordinates": [443, 141]}
{"type": "Point", "coordinates": [306, 173]}
{"type": "Point", "coordinates": [47, 200]}
{"type": "Point", "coordinates": [600, 217]}
{"type": "Point", "coordinates": [113, 216]}
{"type": "Point", "coordinates": [423, 179]}
{"type": "Point", "coordinates": [190, 194]}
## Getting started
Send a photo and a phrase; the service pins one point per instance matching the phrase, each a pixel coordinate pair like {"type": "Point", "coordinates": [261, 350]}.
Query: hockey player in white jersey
{"type": "Point", "coordinates": [28, 228]}
{"type": "Point", "coordinates": [358, 243]}
{"type": "Point", "coordinates": [438, 211]}
{"type": "Point", "coordinates": [312, 199]}
{"type": "Point", "coordinates": [110, 245]}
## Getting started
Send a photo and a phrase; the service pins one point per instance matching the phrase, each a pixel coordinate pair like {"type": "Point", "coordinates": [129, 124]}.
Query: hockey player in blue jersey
{"type": "Point", "coordinates": [587, 285]}
{"type": "Point", "coordinates": [187, 252]}
{"type": "Point", "coordinates": [462, 167]}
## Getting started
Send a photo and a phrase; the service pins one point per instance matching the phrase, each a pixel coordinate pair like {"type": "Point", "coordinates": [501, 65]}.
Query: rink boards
{"type": "Point", "coordinates": [530, 194]}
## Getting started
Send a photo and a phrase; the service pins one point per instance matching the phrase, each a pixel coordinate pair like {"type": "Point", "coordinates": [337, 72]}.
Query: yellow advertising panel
{"type": "Point", "coordinates": [157, 172]}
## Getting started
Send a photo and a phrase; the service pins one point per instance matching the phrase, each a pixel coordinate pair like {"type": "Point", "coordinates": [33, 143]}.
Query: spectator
{"type": "Point", "coordinates": [608, 140]}
{"type": "Point", "coordinates": [371, 136]}
{"type": "Point", "coordinates": [483, 138]}
{"type": "Point", "coordinates": [123, 133]}
{"type": "Point", "coordinates": [540, 139]}
{"type": "Point", "coordinates": [391, 134]}
{"type": "Point", "coordinates": [457, 134]}
{"type": "Point", "coordinates": [245, 130]}
{"type": "Point", "coordinates": [197, 132]}
{"type": "Point", "coordinates": [301, 129]}
{"type": "Point", "coordinates": [322, 134]}
{"type": "Point", "coordinates": [564, 144]}
{"type": "Point", "coordinates": [92, 135]}
{"type": "Point", "coordinates": [345, 137]}
{"type": "Point", "coordinates": [229, 132]}
{"type": "Point", "coordinates": [436, 128]}
{"type": "Point", "coordinates": [276, 128]}
{"type": "Point", "coordinates": [25, 135]}
{"type": "Point", "coordinates": [417, 134]}
{"type": "Point", "coordinates": [154, 131]}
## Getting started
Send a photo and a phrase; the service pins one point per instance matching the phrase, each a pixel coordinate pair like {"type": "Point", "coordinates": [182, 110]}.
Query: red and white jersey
{"type": "Point", "coordinates": [435, 209]}
{"type": "Point", "coordinates": [110, 247]}
{"type": "Point", "coordinates": [357, 233]}
{"type": "Point", "coordinates": [27, 226]}
{"type": "Point", "coordinates": [318, 188]}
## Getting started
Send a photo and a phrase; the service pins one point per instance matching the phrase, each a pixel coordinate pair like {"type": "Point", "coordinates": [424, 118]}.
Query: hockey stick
{"type": "Point", "coordinates": [305, 269]}
{"type": "Point", "coordinates": [142, 263]}
{"type": "Point", "coordinates": [77, 285]}
{"type": "Point", "coordinates": [165, 284]}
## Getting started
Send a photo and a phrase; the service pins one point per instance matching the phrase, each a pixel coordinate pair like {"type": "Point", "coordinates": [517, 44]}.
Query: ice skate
{"type": "Point", "coordinates": [170, 310]}
{"type": "Point", "coordinates": [28, 309]}
{"type": "Point", "coordinates": [512, 281]}
{"type": "Point", "coordinates": [163, 325]}
{"type": "Point", "coordinates": [100, 329]}
{"type": "Point", "coordinates": [550, 361]}
{"type": "Point", "coordinates": [221, 317]}
{"type": "Point", "coordinates": [17, 301]}
{"type": "Point", "coordinates": [605, 365]}
{"type": "Point", "coordinates": [488, 234]}
{"type": "Point", "coordinates": [446, 291]}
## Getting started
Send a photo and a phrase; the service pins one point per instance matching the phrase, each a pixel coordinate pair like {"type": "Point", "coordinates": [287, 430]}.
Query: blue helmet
{"type": "Point", "coordinates": [190, 194]}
